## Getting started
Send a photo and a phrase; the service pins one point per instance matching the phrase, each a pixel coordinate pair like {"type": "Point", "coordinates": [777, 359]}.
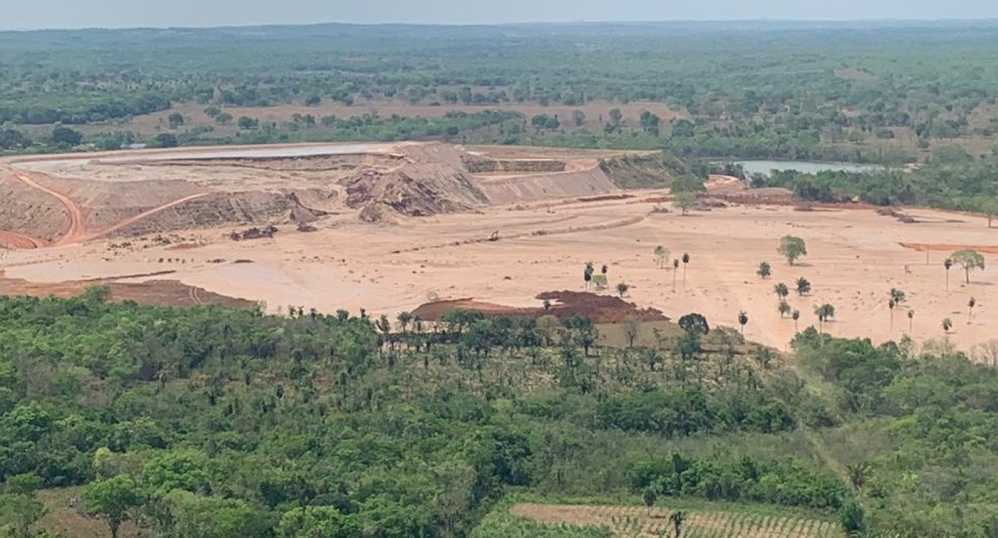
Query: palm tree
{"type": "Point", "coordinates": [948, 264]}
{"type": "Point", "coordinates": [677, 519]}
{"type": "Point", "coordinates": [857, 474]}
{"type": "Point", "coordinates": [970, 305]}
{"type": "Point", "coordinates": [743, 320]}
{"type": "Point", "coordinates": [784, 309]}
{"type": "Point", "coordinates": [404, 318]}
{"type": "Point", "coordinates": [782, 291]}
{"type": "Point", "coordinates": [911, 318]}
{"type": "Point", "coordinates": [803, 286]}
{"type": "Point", "coordinates": [796, 316]}
{"type": "Point", "coordinates": [686, 261]}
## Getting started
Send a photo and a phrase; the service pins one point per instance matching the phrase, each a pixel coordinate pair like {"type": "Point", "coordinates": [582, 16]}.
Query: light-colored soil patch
{"type": "Point", "coordinates": [640, 521]}
{"type": "Point", "coordinates": [855, 256]}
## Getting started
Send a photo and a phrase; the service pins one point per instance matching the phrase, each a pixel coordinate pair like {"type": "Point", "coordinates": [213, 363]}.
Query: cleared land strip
{"type": "Point", "coordinates": [639, 521]}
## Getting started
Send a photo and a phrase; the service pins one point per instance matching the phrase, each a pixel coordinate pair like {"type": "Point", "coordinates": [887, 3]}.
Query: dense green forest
{"type": "Point", "coordinates": [950, 179]}
{"type": "Point", "coordinates": [850, 91]}
{"type": "Point", "coordinates": [211, 422]}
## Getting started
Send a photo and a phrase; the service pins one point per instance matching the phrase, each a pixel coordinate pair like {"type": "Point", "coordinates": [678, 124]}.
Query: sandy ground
{"type": "Point", "coordinates": [856, 258]}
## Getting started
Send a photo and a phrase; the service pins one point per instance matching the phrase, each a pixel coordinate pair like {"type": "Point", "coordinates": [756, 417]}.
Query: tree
{"type": "Point", "coordinates": [587, 274]}
{"type": "Point", "coordinates": [661, 255]}
{"type": "Point", "coordinates": [857, 474]}
{"type": "Point", "coordinates": [579, 117]}
{"type": "Point", "coordinates": [246, 123]}
{"type": "Point", "coordinates": [782, 291]}
{"type": "Point", "coordinates": [404, 318]}
{"type": "Point", "coordinates": [19, 512]}
{"type": "Point", "coordinates": [113, 500]}
{"type": "Point", "coordinates": [649, 496]}
{"type": "Point", "coordinates": [792, 248]}
{"type": "Point", "coordinates": [650, 122]}
{"type": "Point", "coordinates": [784, 309]}
{"type": "Point", "coordinates": [948, 264]}
{"type": "Point", "coordinates": [898, 296]}
{"type": "Point", "coordinates": [622, 289]}
{"type": "Point", "coordinates": [176, 120]}
{"type": "Point", "coordinates": [64, 136]}
{"type": "Point", "coordinates": [616, 117]}
{"type": "Point", "coordinates": [632, 328]}
{"type": "Point", "coordinates": [165, 140]}
{"type": "Point", "coordinates": [743, 320]}
{"type": "Point", "coordinates": [677, 519]}
{"type": "Point", "coordinates": [313, 100]}
{"type": "Point", "coordinates": [890, 305]}
{"type": "Point", "coordinates": [970, 307]}
{"type": "Point", "coordinates": [987, 353]}
{"type": "Point", "coordinates": [852, 518]}
{"type": "Point", "coordinates": [684, 201]}
{"type": "Point", "coordinates": [694, 323]}
{"type": "Point", "coordinates": [947, 325]}
{"type": "Point", "coordinates": [911, 319]}
{"type": "Point", "coordinates": [600, 281]}
{"type": "Point", "coordinates": [765, 270]}
{"type": "Point", "coordinates": [547, 326]}
{"type": "Point", "coordinates": [317, 522]}
{"type": "Point", "coordinates": [803, 286]}
{"type": "Point", "coordinates": [686, 263]}
{"type": "Point", "coordinates": [796, 316]}
{"type": "Point", "coordinates": [824, 312]}
{"type": "Point", "coordinates": [969, 260]}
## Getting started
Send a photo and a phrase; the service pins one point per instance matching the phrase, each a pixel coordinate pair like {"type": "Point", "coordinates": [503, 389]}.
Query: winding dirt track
{"type": "Point", "coordinates": [76, 231]}
{"type": "Point", "coordinates": [145, 214]}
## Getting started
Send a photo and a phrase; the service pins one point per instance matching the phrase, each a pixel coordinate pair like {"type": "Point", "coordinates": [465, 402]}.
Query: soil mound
{"type": "Point", "coordinates": [414, 190]}
{"type": "Point", "coordinates": [564, 304]}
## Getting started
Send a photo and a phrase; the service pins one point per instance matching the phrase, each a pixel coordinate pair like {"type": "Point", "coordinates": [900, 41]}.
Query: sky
{"type": "Point", "coordinates": [36, 14]}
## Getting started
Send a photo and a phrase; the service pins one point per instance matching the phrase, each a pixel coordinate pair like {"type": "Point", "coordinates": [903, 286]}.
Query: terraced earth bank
{"type": "Point", "coordinates": [74, 198]}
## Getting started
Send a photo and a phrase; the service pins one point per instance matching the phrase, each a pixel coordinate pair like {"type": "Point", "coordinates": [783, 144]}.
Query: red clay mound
{"type": "Point", "coordinates": [564, 304]}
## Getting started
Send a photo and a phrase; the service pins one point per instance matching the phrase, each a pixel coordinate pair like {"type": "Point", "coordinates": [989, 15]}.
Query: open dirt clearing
{"type": "Point", "coordinates": [639, 521]}
{"type": "Point", "coordinates": [856, 257]}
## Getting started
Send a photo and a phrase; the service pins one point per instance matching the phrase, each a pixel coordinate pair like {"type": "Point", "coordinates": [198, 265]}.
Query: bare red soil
{"type": "Point", "coordinates": [564, 304]}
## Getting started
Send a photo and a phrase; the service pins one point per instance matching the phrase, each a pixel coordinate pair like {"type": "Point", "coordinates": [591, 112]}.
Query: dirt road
{"type": "Point", "coordinates": [76, 231]}
{"type": "Point", "coordinates": [145, 214]}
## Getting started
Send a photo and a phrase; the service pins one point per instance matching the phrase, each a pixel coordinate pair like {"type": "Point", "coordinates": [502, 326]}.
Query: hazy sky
{"type": "Point", "coordinates": [30, 14]}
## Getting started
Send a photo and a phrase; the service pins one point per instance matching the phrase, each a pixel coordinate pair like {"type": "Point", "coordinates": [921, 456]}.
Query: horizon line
{"type": "Point", "coordinates": [761, 20]}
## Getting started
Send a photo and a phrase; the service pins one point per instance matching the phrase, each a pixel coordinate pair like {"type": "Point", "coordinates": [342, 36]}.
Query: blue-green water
{"type": "Point", "coordinates": [765, 167]}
